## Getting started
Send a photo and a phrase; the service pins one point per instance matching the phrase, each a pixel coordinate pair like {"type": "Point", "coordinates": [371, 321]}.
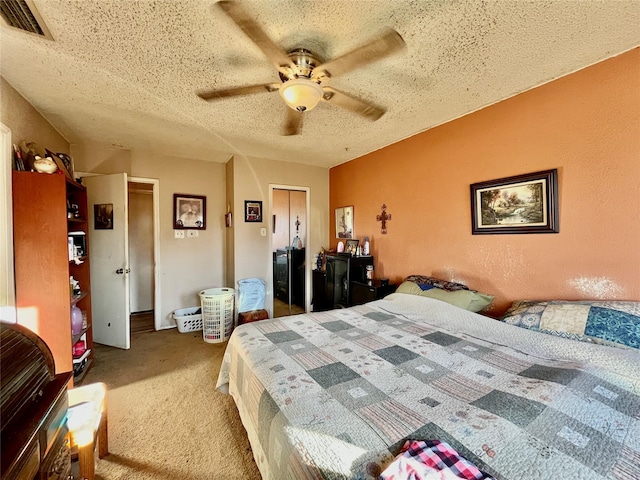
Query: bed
{"type": "Point", "coordinates": [336, 394]}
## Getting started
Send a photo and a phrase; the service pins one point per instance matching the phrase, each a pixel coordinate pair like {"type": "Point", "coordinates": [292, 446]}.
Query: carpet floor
{"type": "Point", "coordinates": [166, 419]}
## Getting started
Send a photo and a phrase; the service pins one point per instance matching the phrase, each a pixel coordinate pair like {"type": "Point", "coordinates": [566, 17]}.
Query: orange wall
{"type": "Point", "coordinates": [587, 125]}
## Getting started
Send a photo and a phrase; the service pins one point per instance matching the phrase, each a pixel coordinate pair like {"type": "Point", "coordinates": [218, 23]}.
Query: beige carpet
{"type": "Point", "coordinates": [166, 419]}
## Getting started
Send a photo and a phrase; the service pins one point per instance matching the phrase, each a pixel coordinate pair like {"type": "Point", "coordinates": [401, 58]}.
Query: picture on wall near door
{"type": "Point", "coordinates": [252, 211]}
{"type": "Point", "coordinates": [189, 212]}
{"type": "Point", "coordinates": [344, 222]}
{"type": "Point", "coordinates": [103, 216]}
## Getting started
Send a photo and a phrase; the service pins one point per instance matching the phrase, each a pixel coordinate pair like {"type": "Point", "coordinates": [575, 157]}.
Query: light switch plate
{"type": "Point", "coordinates": [192, 233]}
{"type": "Point", "coordinates": [263, 232]}
{"type": "Point", "coordinates": [179, 233]}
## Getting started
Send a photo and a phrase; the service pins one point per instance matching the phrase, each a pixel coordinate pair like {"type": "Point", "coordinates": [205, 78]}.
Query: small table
{"type": "Point", "coordinates": [87, 422]}
{"type": "Point", "coordinates": [362, 292]}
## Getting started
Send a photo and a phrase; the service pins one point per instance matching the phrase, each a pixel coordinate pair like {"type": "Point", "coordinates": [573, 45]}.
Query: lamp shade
{"type": "Point", "coordinates": [301, 93]}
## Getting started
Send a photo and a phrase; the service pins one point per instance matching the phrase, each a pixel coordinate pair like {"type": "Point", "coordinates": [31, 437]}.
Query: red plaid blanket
{"type": "Point", "coordinates": [431, 460]}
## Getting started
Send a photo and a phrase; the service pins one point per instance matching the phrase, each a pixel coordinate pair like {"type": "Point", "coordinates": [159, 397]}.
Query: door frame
{"type": "Point", "coordinates": [307, 251]}
{"type": "Point", "coordinates": [157, 321]}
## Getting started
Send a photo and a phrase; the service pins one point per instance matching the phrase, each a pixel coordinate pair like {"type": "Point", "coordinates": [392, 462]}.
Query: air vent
{"type": "Point", "coordinates": [22, 14]}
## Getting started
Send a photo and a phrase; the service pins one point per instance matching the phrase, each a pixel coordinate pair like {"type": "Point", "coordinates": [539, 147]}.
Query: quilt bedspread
{"type": "Point", "coordinates": [336, 394]}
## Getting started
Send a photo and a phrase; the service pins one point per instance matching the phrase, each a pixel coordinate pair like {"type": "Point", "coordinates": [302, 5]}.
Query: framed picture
{"type": "Point", "coordinates": [520, 204]}
{"type": "Point", "coordinates": [189, 212]}
{"type": "Point", "coordinates": [344, 222]}
{"type": "Point", "coordinates": [351, 246]}
{"type": "Point", "coordinates": [253, 211]}
{"type": "Point", "coordinates": [102, 216]}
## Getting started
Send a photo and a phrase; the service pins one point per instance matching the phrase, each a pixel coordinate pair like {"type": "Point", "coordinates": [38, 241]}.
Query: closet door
{"type": "Point", "coordinates": [288, 241]}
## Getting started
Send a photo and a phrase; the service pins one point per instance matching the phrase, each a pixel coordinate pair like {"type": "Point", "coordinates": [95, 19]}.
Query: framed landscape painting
{"type": "Point", "coordinates": [520, 204]}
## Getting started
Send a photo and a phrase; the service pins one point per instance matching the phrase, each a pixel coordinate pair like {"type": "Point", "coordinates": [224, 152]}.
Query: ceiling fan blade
{"type": "Point", "coordinates": [355, 105]}
{"type": "Point", "coordinates": [210, 95]}
{"type": "Point", "coordinates": [293, 123]}
{"type": "Point", "coordinates": [386, 44]}
{"type": "Point", "coordinates": [276, 55]}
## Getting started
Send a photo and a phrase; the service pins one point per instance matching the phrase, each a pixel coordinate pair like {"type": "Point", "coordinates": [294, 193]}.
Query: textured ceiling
{"type": "Point", "coordinates": [125, 72]}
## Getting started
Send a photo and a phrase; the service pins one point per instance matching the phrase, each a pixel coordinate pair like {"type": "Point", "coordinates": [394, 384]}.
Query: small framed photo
{"type": "Point", "coordinates": [520, 204]}
{"type": "Point", "coordinates": [253, 211]}
{"type": "Point", "coordinates": [189, 212]}
{"type": "Point", "coordinates": [344, 222]}
{"type": "Point", "coordinates": [351, 246]}
{"type": "Point", "coordinates": [102, 215]}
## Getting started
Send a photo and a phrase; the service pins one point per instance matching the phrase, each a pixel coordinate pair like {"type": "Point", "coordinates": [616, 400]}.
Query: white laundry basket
{"type": "Point", "coordinates": [218, 317]}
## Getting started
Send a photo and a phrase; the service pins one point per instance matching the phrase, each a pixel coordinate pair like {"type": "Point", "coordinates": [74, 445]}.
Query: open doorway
{"type": "Point", "coordinates": [141, 257]}
{"type": "Point", "coordinates": [110, 254]}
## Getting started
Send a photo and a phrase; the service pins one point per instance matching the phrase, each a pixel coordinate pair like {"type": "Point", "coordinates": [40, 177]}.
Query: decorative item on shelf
{"type": "Point", "coordinates": [73, 211]}
{"type": "Point", "coordinates": [18, 162]}
{"type": "Point", "coordinates": [296, 243]}
{"type": "Point", "coordinates": [60, 163]}
{"type": "Point", "coordinates": [30, 152]}
{"type": "Point", "coordinates": [44, 165]}
{"type": "Point", "coordinates": [68, 163]}
{"type": "Point", "coordinates": [79, 243]}
{"type": "Point", "coordinates": [352, 246]}
{"type": "Point", "coordinates": [369, 273]}
{"type": "Point", "coordinates": [384, 217]}
{"type": "Point", "coordinates": [365, 247]}
{"type": "Point", "coordinates": [321, 259]}
{"type": "Point", "coordinates": [76, 320]}
{"type": "Point", "coordinates": [74, 286]}
{"type": "Point", "coordinates": [340, 248]}
{"type": "Point", "coordinates": [79, 348]}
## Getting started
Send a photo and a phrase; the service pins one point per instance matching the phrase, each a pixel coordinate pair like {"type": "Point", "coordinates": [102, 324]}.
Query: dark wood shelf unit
{"type": "Point", "coordinates": [332, 288]}
{"type": "Point", "coordinates": [363, 292]}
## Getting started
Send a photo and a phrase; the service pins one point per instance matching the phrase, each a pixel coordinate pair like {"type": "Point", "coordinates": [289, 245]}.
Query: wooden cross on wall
{"type": "Point", "coordinates": [383, 217]}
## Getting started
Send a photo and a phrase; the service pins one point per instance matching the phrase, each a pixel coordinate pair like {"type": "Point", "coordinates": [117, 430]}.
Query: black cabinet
{"type": "Point", "coordinates": [283, 258]}
{"type": "Point", "coordinates": [319, 293]}
{"type": "Point", "coordinates": [333, 289]}
{"type": "Point", "coordinates": [363, 292]}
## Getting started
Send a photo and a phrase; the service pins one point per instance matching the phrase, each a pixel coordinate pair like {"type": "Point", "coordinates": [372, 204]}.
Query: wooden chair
{"type": "Point", "coordinates": [87, 422]}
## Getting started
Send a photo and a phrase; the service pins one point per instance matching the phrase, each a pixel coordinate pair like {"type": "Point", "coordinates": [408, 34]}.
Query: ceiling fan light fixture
{"type": "Point", "coordinates": [301, 94]}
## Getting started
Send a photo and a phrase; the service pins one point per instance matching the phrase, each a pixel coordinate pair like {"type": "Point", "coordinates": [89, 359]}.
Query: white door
{"type": "Point", "coordinates": [109, 257]}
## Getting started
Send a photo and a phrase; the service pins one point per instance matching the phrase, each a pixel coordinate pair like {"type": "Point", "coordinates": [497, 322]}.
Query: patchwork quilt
{"type": "Point", "coordinates": [336, 394]}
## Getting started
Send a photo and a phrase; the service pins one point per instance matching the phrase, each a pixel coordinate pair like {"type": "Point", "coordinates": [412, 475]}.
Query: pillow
{"type": "Point", "coordinates": [614, 323]}
{"type": "Point", "coordinates": [425, 281]}
{"type": "Point", "coordinates": [472, 301]}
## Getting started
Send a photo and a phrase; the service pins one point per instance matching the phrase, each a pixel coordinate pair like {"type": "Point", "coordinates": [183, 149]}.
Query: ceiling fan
{"type": "Point", "coordinates": [304, 79]}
